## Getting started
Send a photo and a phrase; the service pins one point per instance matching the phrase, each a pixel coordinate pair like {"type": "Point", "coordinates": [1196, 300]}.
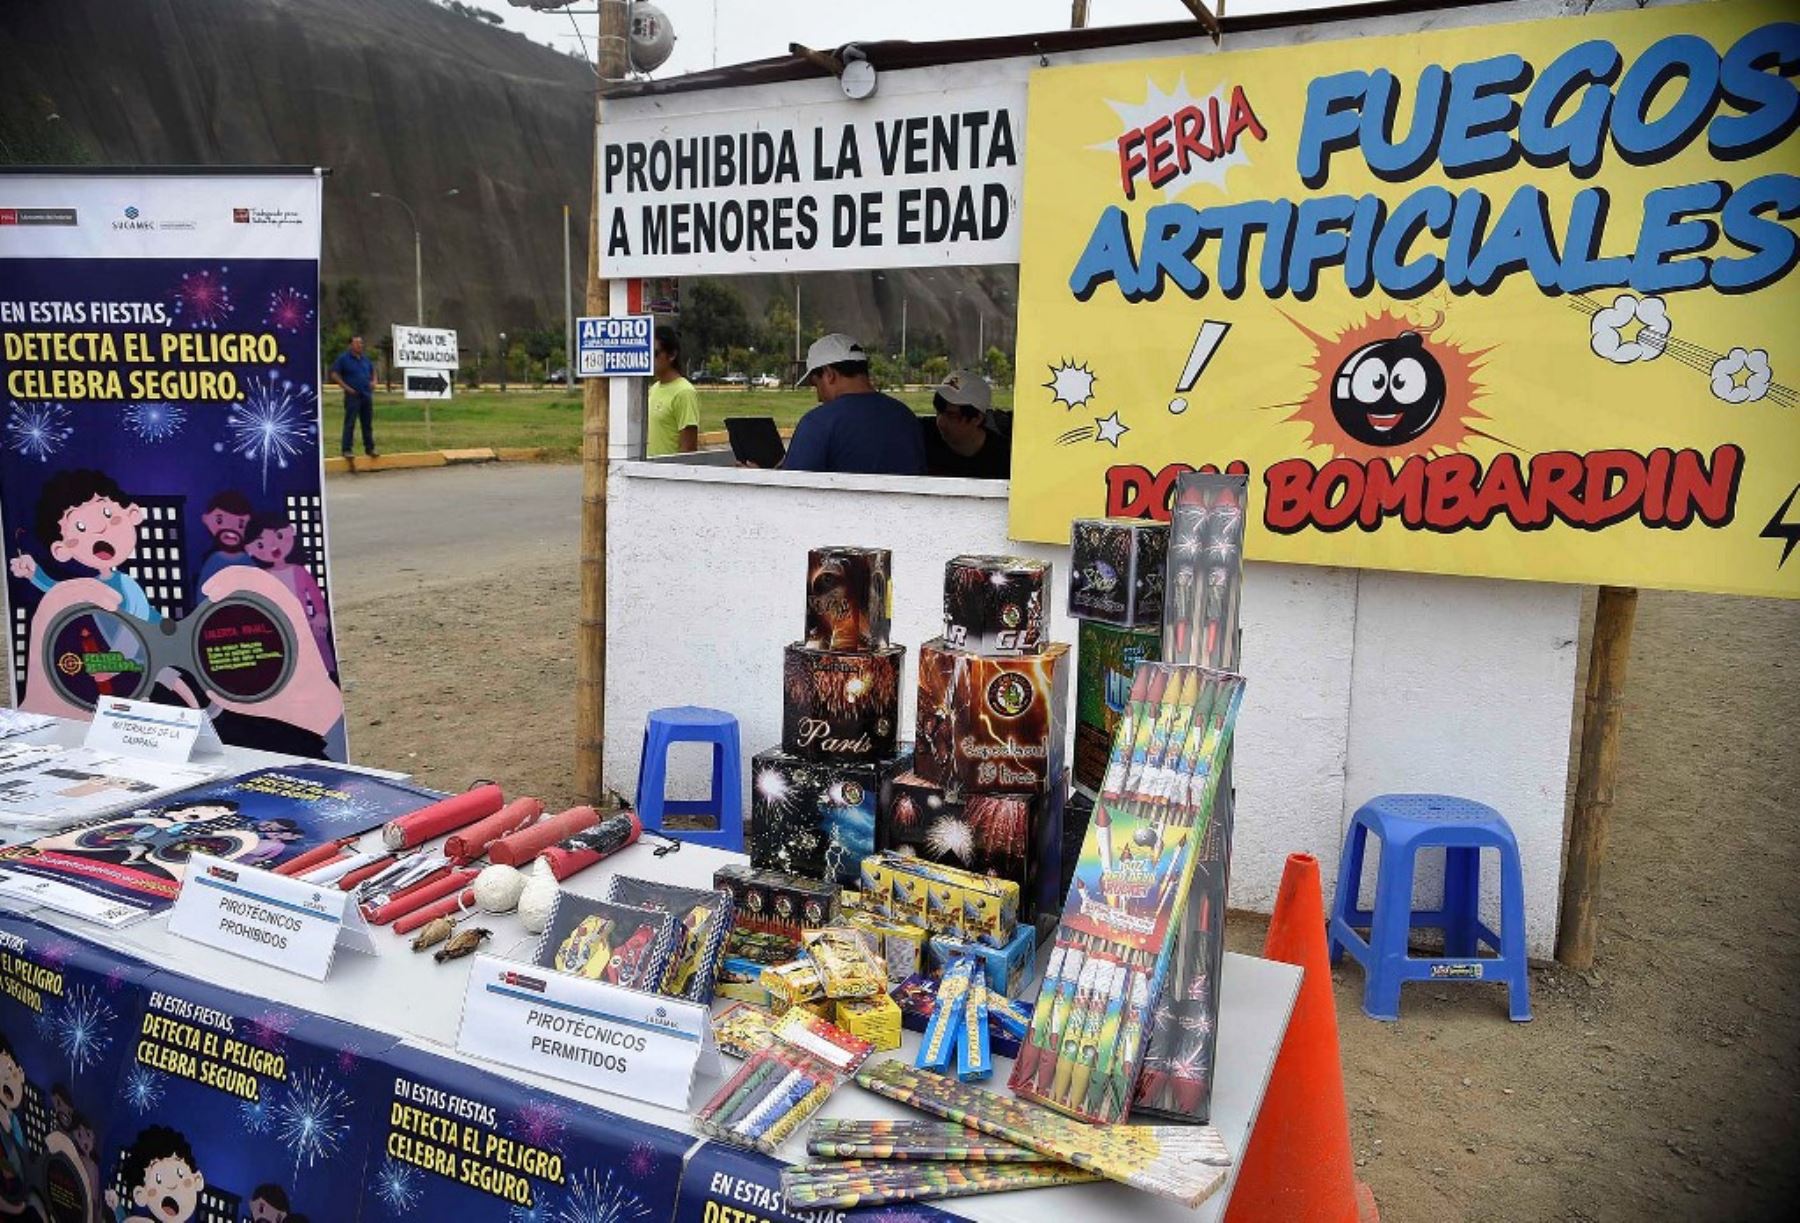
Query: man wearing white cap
{"type": "Point", "coordinates": [855, 427]}
{"type": "Point", "coordinates": [958, 442]}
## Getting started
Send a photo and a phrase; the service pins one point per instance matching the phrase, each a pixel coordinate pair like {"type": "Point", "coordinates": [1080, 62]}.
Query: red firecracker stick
{"type": "Point", "coordinates": [420, 896]}
{"type": "Point", "coordinates": [446, 815]}
{"type": "Point", "coordinates": [582, 850]}
{"type": "Point", "coordinates": [521, 847]}
{"type": "Point", "coordinates": [318, 855]}
{"type": "Point", "coordinates": [431, 912]}
{"type": "Point", "coordinates": [470, 843]}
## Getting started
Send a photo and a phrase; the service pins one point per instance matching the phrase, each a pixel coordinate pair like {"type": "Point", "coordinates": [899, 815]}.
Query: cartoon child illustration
{"type": "Point", "coordinates": [274, 837]}
{"type": "Point", "coordinates": [13, 1152]}
{"type": "Point", "coordinates": [226, 517]}
{"type": "Point", "coordinates": [272, 542]}
{"type": "Point", "coordinates": [151, 838]}
{"type": "Point", "coordinates": [269, 1204]}
{"type": "Point", "coordinates": [91, 522]}
{"type": "Point", "coordinates": [177, 821]}
{"type": "Point", "coordinates": [161, 1178]}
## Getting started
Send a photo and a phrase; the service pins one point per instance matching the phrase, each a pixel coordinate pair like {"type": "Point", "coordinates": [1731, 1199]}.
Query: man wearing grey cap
{"type": "Point", "coordinates": [958, 442]}
{"type": "Point", "coordinates": [855, 427]}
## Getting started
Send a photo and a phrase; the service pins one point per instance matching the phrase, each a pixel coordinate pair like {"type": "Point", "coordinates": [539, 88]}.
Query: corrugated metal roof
{"type": "Point", "coordinates": [900, 53]}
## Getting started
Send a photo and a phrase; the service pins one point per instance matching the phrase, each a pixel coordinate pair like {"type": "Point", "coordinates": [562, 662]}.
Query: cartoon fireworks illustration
{"type": "Point", "coordinates": [203, 299]}
{"type": "Point", "coordinates": [273, 423]}
{"type": "Point", "coordinates": [37, 430]}
{"type": "Point", "coordinates": [398, 1187]}
{"type": "Point", "coordinates": [254, 1116]}
{"type": "Point", "coordinates": [1071, 384]}
{"type": "Point", "coordinates": [950, 837]}
{"type": "Point", "coordinates": [154, 421]}
{"type": "Point", "coordinates": [271, 1028]}
{"type": "Point", "coordinates": [346, 1060]}
{"type": "Point", "coordinates": [142, 1088]}
{"type": "Point", "coordinates": [310, 1120]}
{"type": "Point", "coordinates": [594, 1198]}
{"type": "Point", "coordinates": [44, 1024]}
{"type": "Point", "coordinates": [1001, 821]}
{"type": "Point", "coordinates": [289, 310]}
{"type": "Point", "coordinates": [641, 1161]}
{"type": "Point", "coordinates": [905, 815]}
{"type": "Point", "coordinates": [536, 1212]}
{"type": "Point", "coordinates": [541, 1123]}
{"type": "Point", "coordinates": [82, 1028]}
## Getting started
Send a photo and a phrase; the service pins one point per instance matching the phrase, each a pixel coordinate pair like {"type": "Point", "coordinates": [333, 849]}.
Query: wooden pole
{"type": "Point", "coordinates": [1608, 655]}
{"type": "Point", "coordinates": [1078, 14]}
{"type": "Point", "coordinates": [596, 412]}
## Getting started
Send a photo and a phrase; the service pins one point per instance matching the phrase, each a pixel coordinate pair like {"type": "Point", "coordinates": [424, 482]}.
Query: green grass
{"type": "Point", "coordinates": [551, 418]}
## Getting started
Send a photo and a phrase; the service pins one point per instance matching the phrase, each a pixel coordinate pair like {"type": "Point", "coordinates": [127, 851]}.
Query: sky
{"type": "Point", "coordinates": [757, 29]}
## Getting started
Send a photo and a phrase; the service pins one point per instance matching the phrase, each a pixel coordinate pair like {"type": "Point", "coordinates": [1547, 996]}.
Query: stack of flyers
{"type": "Point", "coordinates": [856, 1182]}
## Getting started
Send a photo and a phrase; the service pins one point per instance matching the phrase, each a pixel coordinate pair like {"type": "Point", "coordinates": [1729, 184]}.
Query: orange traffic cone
{"type": "Point", "coordinates": [1297, 1166]}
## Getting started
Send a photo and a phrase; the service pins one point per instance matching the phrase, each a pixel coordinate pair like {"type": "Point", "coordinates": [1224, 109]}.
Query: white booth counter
{"type": "Point", "coordinates": [1360, 682]}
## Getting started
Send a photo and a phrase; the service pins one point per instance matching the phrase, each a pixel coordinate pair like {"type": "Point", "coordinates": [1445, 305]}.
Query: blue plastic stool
{"type": "Point", "coordinates": [692, 724]}
{"type": "Point", "coordinates": [1406, 823]}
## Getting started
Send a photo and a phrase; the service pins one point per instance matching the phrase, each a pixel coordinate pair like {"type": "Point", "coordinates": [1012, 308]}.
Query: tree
{"type": "Point", "coordinates": [350, 302]}
{"type": "Point", "coordinates": [999, 367]}
{"type": "Point", "coordinates": [777, 327]}
{"type": "Point", "coordinates": [712, 320]}
{"type": "Point", "coordinates": [935, 369]}
{"type": "Point", "coordinates": [884, 369]}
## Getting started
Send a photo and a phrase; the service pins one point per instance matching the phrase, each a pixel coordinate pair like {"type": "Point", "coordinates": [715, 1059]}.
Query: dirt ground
{"type": "Point", "coordinates": [1661, 1084]}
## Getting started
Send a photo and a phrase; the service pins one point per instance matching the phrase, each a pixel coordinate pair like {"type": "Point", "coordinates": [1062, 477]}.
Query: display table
{"type": "Point", "coordinates": [418, 1000]}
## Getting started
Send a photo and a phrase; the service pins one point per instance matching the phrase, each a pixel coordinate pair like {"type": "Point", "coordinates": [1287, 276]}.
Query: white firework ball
{"type": "Point", "coordinates": [154, 421]}
{"type": "Point", "coordinates": [311, 1118]}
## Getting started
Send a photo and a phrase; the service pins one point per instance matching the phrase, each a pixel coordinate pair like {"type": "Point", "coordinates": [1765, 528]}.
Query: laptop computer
{"type": "Point", "coordinates": [754, 439]}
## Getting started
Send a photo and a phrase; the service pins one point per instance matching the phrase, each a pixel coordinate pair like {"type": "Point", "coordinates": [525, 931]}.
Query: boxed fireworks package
{"type": "Point", "coordinates": [995, 604]}
{"type": "Point", "coordinates": [1105, 660]}
{"type": "Point", "coordinates": [990, 725]}
{"type": "Point", "coordinates": [849, 598]}
{"type": "Point", "coordinates": [945, 900]}
{"type": "Point", "coordinates": [620, 944]}
{"type": "Point", "coordinates": [740, 980]}
{"type": "Point", "coordinates": [784, 1084]}
{"type": "Point", "coordinates": [901, 946]}
{"type": "Point", "coordinates": [841, 705]}
{"type": "Point", "coordinates": [702, 922]}
{"type": "Point", "coordinates": [776, 904]}
{"type": "Point", "coordinates": [1008, 1021]}
{"type": "Point", "coordinates": [1206, 569]}
{"type": "Point", "coordinates": [876, 1020]}
{"type": "Point", "coordinates": [742, 1029]}
{"type": "Point", "coordinates": [1010, 836]}
{"type": "Point", "coordinates": [1007, 968]}
{"type": "Point", "coordinates": [814, 818]}
{"type": "Point", "coordinates": [1077, 813]}
{"type": "Point", "coordinates": [1116, 571]}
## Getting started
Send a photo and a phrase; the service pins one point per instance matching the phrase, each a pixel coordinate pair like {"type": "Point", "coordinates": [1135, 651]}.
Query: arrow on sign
{"type": "Point", "coordinates": [430, 383]}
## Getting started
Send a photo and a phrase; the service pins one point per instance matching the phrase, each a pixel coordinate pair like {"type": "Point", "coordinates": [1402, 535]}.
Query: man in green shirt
{"type": "Point", "coordinates": [674, 403]}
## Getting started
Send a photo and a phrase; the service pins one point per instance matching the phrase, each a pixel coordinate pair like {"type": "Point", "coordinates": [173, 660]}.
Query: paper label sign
{"type": "Point", "coordinates": [425, 347]}
{"type": "Point", "coordinates": [643, 1046]}
{"type": "Point", "coordinates": [294, 926]}
{"type": "Point", "coordinates": [170, 733]}
{"type": "Point", "coordinates": [614, 346]}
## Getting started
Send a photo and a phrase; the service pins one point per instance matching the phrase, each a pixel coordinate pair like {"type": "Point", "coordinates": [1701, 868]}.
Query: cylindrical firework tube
{"type": "Point", "coordinates": [582, 850]}
{"type": "Point", "coordinates": [464, 899]}
{"type": "Point", "coordinates": [470, 843]}
{"type": "Point", "coordinates": [518, 848]}
{"type": "Point", "coordinates": [419, 897]}
{"type": "Point", "coordinates": [315, 856]}
{"type": "Point", "coordinates": [446, 815]}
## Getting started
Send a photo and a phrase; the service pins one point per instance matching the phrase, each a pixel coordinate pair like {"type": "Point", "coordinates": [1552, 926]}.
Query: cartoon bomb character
{"type": "Point", "coordinates": [1389, 392]}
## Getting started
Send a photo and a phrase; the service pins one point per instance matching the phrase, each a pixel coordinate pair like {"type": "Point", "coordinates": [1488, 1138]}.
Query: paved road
{"type": "Point", "coordinates": [396, 532]}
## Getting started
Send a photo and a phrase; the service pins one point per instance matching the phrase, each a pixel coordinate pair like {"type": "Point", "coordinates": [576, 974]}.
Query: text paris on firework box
{"type": "Point", "coordinates": [815, 818]}
{"type": "Point", "coordinates": [1009, 836]}
{"type": "Point", "coordinates": [1116, 570]}
{"type": "Point", "coordinates": [990, 725]}
{"type": "Point", "coordinates": [995, 604]}
{"type": "Point", "coordinates": [849, 598]}
{"type": "Point", "coordinates": [841, 705]}
{"type": "Point", "coordinates": [1105, 660]}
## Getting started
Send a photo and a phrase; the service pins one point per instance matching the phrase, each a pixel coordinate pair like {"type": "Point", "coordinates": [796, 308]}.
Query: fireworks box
{"type": "Point", "coordinates": [814, 818]}
{"type": "Point", "coordinates": [841, 705]}
{"type": "Point", "coordinates": [943, 899]}
{"type": "Point", "coordinates": [990, 725]}
{"type": "Point", "coordinates": [1106, 657]}
{"type": "Point", "coordinates": [1008, 968]}
{"type": "Point", "coordinates": [849, 598]}
{"type": "Point", "coordinates": [994, 605]}
{"type": "Point", "coordinates": [917, 999]}
{"type": "Point", "coordinates": [775, 903]}
{"type": "Point", "coordinates": [1017, 837]}
{"type": "Point", "coordinates": [1116, 571]}
{"type": "Point", "coordinates": [1078, 812]}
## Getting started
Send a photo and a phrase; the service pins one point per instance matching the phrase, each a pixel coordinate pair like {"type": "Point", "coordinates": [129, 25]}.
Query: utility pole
{"type": "Point", "coordinates": [1078, 14]}
{"type": "Point", "coordinates": [903, 357]}
{"type": "Point", "coordinates": [596, 410]}
{"type": "Point", "coordinates": [568, 308]}
{"type": "Point", "coordinates": [797, 321]}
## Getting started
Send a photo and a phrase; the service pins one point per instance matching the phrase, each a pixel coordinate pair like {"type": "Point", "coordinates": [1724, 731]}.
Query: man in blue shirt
{"type": "Point", "coordinates": [855, 427]}
{"type": "Point", "coordinates": [356, 374]}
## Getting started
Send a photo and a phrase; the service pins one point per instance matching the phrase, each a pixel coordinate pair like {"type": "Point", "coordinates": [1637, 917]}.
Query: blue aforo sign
{"type": "Point", "coordinates": [614, 346]}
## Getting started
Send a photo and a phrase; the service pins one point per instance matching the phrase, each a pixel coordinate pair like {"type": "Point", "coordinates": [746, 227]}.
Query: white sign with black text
{"type": "Point", "coordinates": [425, 348]}
{"type": "Point", "coordinates": [169, 733]}
{"type": "Point", "coordinates": [292, 925]}
{"type": "Point", "coordinates": [643, 1046]}
{"type": "Point", "coordinates": [897, 180]}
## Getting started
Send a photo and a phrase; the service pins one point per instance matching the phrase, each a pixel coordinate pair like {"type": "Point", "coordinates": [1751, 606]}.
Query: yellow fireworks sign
{"type": "Point", "coordinates": [1510, 300]}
